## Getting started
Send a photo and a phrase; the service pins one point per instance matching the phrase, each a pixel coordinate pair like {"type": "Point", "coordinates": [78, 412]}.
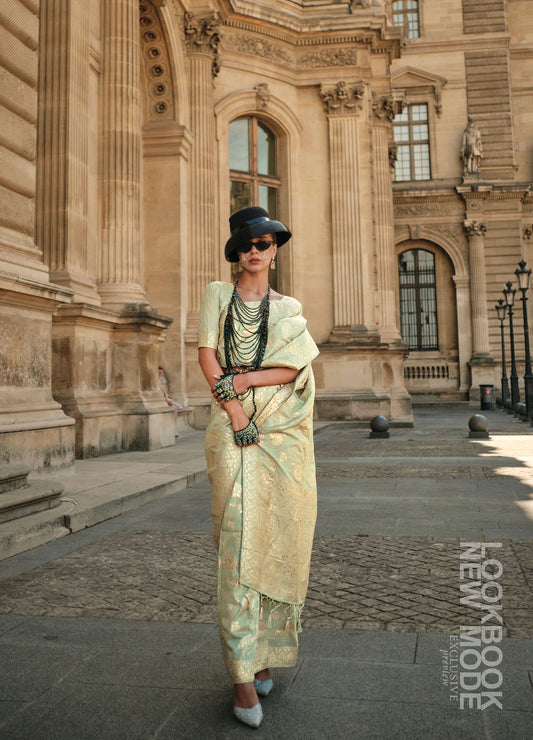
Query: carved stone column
{"type": "Point", "coordinates": [383, 110]}
{"type": "Point", "coordinates": [475, 231]}
{"type": "Point", "coordinates": [34, 431]}
{"type": "Point", "coordinates": [353, 300]}
{"type": "Point", "coordinates": [202, 38]}
{"type": "Point", "coordinates": [120, 264]}
{"type": "Point", "coordinates": [62, 190]}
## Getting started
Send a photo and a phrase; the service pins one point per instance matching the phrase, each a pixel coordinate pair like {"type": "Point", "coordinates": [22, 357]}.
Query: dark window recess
{"type": "Point", "coordinates": [418, 300]}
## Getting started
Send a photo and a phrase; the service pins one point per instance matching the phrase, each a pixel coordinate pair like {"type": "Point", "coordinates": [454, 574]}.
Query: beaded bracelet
{"type": "Point", "coordinates": [224, 388]}
{"type": "Point", "coordinates": [247, 436]}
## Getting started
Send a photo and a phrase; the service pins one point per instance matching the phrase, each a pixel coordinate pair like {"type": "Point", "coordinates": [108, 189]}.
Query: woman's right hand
{"type": "Point", "coordinates": [239, 419]}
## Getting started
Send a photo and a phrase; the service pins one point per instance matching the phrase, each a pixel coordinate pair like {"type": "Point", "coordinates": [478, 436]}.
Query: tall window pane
{"type": "Point", "coordinates": [411, 133]}
{"type": "Point", "coordinates": [239, 145]}
{"type": "Point", "coordinates": [418, 300]}
{"type": "Point", "coordinates": [266, 151]}
{"type": "Point", "coordinates": [268, 199]}
{"type": "Point", "coordinates": [239, 195]}
{"type": "Point", "coordinates": [405, 13]}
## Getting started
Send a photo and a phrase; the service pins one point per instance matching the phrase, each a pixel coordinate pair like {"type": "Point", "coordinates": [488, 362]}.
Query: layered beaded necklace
{"type": "Point", "coordinates": [246, 335]}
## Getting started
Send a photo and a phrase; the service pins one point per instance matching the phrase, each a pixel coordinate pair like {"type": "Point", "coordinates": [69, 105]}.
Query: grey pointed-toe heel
{"type": "Point", "coordinates": [251, 717]}
{"type": "Point", "coordinates": [263, 688]}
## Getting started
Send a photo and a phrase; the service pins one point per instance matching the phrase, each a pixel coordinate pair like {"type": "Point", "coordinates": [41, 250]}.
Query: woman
{"type": "Point", "coordinates": [256, 353]}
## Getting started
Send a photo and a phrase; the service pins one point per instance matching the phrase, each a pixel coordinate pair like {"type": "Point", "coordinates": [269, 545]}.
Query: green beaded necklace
{"type": "Point", "coordinates": [246, 335]}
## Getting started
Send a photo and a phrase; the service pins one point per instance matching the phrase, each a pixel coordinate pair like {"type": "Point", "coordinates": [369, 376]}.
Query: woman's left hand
{"type": "Point", "coordinates": [241, 382]}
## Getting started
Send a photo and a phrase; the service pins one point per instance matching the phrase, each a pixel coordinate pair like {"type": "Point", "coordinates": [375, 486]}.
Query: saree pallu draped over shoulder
{"type": "Point", "coordinates": [263, 496]}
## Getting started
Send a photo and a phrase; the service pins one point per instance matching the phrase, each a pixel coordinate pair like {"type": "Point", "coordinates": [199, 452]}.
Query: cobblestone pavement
{"type": "Point", "coordinates": [406, 584]}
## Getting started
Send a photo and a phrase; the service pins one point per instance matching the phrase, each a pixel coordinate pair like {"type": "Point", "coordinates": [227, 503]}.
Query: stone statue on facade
{"type": "Point", "coordinates": [471, 149]}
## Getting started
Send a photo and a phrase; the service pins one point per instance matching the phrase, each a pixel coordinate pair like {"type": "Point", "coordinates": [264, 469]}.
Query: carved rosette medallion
{"type": "Point", "coordinates": [156, 63]}
{"type": "Point", "coordinates": [262, 95]}
{"type": "Point", "coordinates": [203, 36]}
{"type": "Point", "coordinates": [475, 228]}
{"type": "Point", "coordinates": [342, 98]}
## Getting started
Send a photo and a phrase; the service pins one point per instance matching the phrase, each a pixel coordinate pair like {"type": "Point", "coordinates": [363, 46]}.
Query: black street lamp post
{"type": "Point", "coordinates": [523, 277]}
{"type": "Point", "coordinates": [509, 294]}
{"type": "Point", "coordinates": [501, 311]}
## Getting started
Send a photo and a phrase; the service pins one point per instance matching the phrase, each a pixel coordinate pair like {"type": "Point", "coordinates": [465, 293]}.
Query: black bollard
{"type": "Point", "coordinates": [479, 427]}
{"type": "Point", "coordinates": [379, 426]}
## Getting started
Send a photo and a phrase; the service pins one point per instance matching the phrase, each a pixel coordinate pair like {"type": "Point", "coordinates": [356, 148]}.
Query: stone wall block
{"type": "Point", "coordinates": [18, 58]}
{"type": "Point", "coordinates": [22, 22]}
{"type": "Point", "coordinates": [17, 135]}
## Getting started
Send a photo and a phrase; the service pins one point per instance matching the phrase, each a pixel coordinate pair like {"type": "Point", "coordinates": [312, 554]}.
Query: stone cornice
{"type": "Point", "coordinates": [418, 81]}
{"type": "Point", "coordinates": [162, 138]}
{"type": "Point", "coordinates": [20, 292]}
{"type": "Point", "coordinates": [478, 42]}
{"type": "Point", "coordinates": [315, 17]}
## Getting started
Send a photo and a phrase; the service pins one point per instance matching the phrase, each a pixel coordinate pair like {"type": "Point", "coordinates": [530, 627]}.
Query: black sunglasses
{"type": "Point", "coordinates": [261, 246]}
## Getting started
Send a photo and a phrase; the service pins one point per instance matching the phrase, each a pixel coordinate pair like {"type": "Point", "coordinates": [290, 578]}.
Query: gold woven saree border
{"type": "Point", "coordinates": [277, 400]}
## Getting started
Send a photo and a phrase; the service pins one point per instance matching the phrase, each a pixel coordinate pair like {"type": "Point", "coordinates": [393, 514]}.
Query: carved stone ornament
{"type": "Point", "coordinates": [329, 58]}
{"type": "Point", "coordinates": [364, 4]}
{"type": "Point", "coordinates": [202, 35]}
{"type": "Point", "coordinates": [342, 98]}
{"type": "Point", "coordinates": [528, 231]}
{"type": "Point", "coordinates": [414, 231]}
{"type": "Point", "coordinates": [475, 228]}
{"type": "Point", "coordinates": [156, 63]}
{"type": "Point", "coordinates": [383, 108]}
{"type": "Point", "coordinates": [393, 154]}
{"type": "Point", "coordinates": [258, 47]}
{"type": "Point", "coordinates": [262, 95]}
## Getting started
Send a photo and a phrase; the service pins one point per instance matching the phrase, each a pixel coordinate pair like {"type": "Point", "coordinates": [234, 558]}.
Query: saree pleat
{"type": "Point", "coordinates": [263, 497]}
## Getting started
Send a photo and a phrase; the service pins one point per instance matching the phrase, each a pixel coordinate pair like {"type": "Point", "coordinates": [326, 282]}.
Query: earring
{"type": "Point", "coordinates": [273, 263]}
{"type": "Point", "coordinates": [239, 267]}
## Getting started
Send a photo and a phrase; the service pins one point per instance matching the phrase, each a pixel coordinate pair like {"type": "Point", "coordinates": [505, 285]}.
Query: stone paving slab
{"type": "Point", "coordinates": [102, 488]}
{"type": "Point", "coordinates": [405, 584]}
{"type": "Point", "coordinates": [377, 684]}
{"type": "Point", "coordinates": [87, 712]}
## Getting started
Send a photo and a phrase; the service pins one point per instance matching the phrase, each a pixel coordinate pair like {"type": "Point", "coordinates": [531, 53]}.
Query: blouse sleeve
{"type": "Point", "coordinates": [208, 328]}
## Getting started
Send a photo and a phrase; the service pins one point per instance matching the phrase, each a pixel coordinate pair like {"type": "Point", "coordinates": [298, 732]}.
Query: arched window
{"type": "Point", "coordinates": [253, 162]}
{"type": "Point", "coordinates": [418, 299]}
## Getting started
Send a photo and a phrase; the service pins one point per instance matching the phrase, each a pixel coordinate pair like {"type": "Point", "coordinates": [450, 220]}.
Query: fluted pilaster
{"type": "Point", "coordinates": [62, 191]}
{"type": "Point", "coordinates": [475, 231]}
{"type": "Point", "coordinates": [353, 317]}
{"type": "Point", "coordinates": [120, 260]}
{"type": "Point", "coordinates": [346, 233]}
{"type": "Point", "coordinates": [203, 260]}
{"type": "Point", "coordinates": [383, 113]}
{"type": "Point", "coordinates": [202, 39]}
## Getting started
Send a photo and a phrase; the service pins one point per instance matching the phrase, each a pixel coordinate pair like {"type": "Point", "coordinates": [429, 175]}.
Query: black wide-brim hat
{"type": "Point", "coordinates": [249, 223]}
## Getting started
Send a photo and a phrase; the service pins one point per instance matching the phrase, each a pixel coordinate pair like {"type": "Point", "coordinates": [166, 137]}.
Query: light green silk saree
{"type": "Point", "coordinates": [263, 496]}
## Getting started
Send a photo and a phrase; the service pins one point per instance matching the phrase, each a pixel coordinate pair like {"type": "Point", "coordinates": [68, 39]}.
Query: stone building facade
{"type": "Point", "coordinates": [130, 130]}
